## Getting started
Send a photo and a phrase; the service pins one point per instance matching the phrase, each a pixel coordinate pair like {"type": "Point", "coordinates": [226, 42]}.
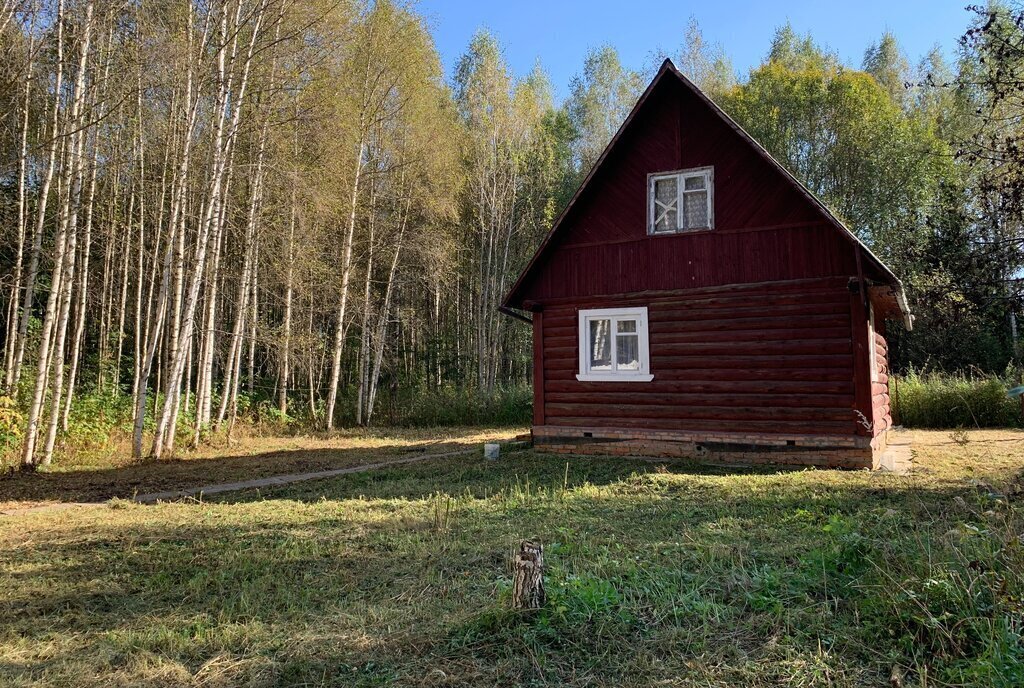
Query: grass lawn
{"type": "Point", "coordinates": [97, 476]}
{"type": "Point", "coordinates": [659, 575]}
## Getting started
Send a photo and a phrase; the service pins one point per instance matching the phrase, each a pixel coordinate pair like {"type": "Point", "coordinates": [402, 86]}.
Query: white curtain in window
{"type": "Point", "coordinates": [627, 346]}
{"type": "Point", "coordinates": [695, 202]}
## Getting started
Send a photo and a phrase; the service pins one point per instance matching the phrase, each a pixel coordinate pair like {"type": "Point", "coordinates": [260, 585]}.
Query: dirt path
{"type": "Point", "coordinates": [276, 480]}
{"type": "Point", "coordinates": [100, 478]}
{"type": "Point", "coordinates": [216, 488]}
{"type": "Point", "coordinates": [897, 457]}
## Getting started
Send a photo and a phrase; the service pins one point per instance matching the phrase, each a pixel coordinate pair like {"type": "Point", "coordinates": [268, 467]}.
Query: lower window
{"type": "Point", "coordinates": [614, 345]}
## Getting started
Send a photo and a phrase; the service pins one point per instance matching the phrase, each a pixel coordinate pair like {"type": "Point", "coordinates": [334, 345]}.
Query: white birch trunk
{"type": "Point", "coordinates": [346, 276]}
{"type": "Point", "coordinates": [382, 322]}
{"type": "Point", "coordinates": [71, 212]}
{"type": "Point", "coordinates": [15, 311]}
{"type": "Point", "coordinates": [364, 335]}
{"type": "Point", "coordinates": [222, 141]}
{"type": "Point", "coordinates": [41, 203]}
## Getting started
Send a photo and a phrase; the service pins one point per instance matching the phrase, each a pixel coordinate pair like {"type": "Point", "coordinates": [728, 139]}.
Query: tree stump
{"type": "Point", "coordinates": [528, 576]}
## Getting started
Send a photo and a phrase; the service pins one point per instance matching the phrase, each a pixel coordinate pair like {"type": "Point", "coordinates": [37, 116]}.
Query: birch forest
{"type": "Point", "coordinates": [216, 211]}
{"type": "Point", "coordinates": [212, 203]}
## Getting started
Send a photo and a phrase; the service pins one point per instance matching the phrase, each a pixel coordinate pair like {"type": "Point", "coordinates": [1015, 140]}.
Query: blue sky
{"type": "Point", "coordinates": [559, 32]}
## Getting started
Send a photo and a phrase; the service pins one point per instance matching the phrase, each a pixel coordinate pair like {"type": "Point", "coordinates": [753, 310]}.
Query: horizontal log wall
{"type": "Point", "coordinates": [769, 359]}
{"type": "Point", "coordinates": [880, 402]}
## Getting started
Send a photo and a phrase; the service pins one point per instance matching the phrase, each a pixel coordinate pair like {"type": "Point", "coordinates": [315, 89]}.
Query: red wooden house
{"type": "Point", "coordinates": [694, 299]}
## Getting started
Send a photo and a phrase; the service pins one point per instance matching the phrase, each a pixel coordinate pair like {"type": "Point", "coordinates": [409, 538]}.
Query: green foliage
{"type": "Point", "coordinates": [553, 163]}
{"type": "Point", "coordinates": [959, 297]}
{"type": "Point", "coordinates": [992, 79]}
{"type": "Point", "coordinates": [797, 52]}
{"type": "Point", "coordinates": [94, 417]}
{"type": "Point", "coordinates": [602, 95]}
{"type": "Point", "coordinates": [452, 406]}
{"type": "Point", "coordinates": [269, 414]}
{"type": "Point", "coordinates": [934, 400]}
{"type": "Point", "coordinates": [884, 61]}
{"type": "Point", "coordinates": [841, 133]}
{"type": "Point", "coordinates": [11, 424]}
{"type": "Point", "coordinates": [704, 63]}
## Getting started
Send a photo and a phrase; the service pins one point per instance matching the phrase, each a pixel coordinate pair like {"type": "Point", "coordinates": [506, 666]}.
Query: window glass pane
{"type": "Point", "coordinates": [628, 351]}
{"type": "Point", "coordinates": [627, 326]}
{"type": "Point", "coordinates": [692, 183]}
{"type": "Point", "coordinates": [695, 209]}
{"type": "Point", "coordinates": [666, 205]}
{"type": "Point", "coordinates": [601, 344]}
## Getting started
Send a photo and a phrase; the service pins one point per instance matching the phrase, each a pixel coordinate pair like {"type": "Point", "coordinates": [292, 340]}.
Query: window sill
{"type": "Point", "coordinates": [612, 377]}
{"type": "Point", "coordinates": [680, 232]}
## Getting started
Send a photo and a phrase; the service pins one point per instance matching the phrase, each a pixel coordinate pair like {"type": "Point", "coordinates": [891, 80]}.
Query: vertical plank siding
{"type": "Point", "coordinates": [765, 230]}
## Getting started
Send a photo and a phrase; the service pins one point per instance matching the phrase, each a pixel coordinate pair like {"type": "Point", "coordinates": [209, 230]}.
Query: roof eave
{"type": "Point", "coordinates": [901, 300]}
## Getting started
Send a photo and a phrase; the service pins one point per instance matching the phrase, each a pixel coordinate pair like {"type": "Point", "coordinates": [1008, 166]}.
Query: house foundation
{"type": "Point", "coordinates": [730, 448]}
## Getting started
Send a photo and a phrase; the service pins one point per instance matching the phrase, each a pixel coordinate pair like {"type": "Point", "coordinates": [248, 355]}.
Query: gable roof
{"type": "Point", "coordinates": [668, 70]}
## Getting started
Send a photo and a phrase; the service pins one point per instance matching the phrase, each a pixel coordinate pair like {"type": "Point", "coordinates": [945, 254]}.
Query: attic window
{"type": "Point", "coordinates": [614, 345]}
{"type": "Point", "coordinates": [681, 201]}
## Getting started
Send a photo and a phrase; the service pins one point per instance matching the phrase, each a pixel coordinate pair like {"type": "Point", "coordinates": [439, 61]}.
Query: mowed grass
{"type": "Point", "coordinates": [99, 476]}
{"type": "Point", "coordinates": [658, 575]}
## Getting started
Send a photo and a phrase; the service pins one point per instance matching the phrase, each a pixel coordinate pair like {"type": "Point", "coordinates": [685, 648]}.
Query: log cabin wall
{"type": "Point", "coordinates": [880, 401]}
{"type": "Point", "coordinates": [744, 374]}
{"type": "Point", "coordinates": [771, 359]}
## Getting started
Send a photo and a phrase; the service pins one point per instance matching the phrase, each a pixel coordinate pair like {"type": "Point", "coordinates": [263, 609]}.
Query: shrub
{"type": "Point", "coordinates": [11, 423]}
{"type": "Point", "coordinates": [448, 406]}
{"type": "Point", "coordinates": [937, 400]}
{"type": "Point", "coordinates": [95, 417]}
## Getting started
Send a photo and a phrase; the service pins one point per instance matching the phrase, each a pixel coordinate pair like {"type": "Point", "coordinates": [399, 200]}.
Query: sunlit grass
{"type": "Point", "coordinates": [658, 575]}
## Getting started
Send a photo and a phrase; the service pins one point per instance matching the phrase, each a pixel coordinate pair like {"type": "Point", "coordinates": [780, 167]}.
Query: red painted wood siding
{"type": "Point", "coordinates": [761, 358]}
{"type": "Point", "coordinates": [765, 230]}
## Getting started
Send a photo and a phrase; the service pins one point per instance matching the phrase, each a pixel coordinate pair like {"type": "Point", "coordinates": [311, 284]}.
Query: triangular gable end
{"type": "Point", "coordinates": [668, 70]}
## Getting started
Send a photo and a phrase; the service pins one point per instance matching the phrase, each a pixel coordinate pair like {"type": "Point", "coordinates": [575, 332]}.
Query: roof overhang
{"type": "Point", "coordinates": [889, 301]}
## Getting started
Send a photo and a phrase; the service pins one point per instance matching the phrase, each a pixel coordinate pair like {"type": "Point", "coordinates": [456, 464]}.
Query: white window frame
{"type": "Point", "coordinates": [707, 173]}
{"type": "Point", "coordinates": [637, 313]}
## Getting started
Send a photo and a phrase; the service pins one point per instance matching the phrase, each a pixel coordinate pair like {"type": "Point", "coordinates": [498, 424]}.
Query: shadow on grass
{"type": "Point", "coordinates": [657, 569]}
{"type": "Point", "coordinates": [178, 474]}
{"type": "Point", "coordinates": [523, 472]}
